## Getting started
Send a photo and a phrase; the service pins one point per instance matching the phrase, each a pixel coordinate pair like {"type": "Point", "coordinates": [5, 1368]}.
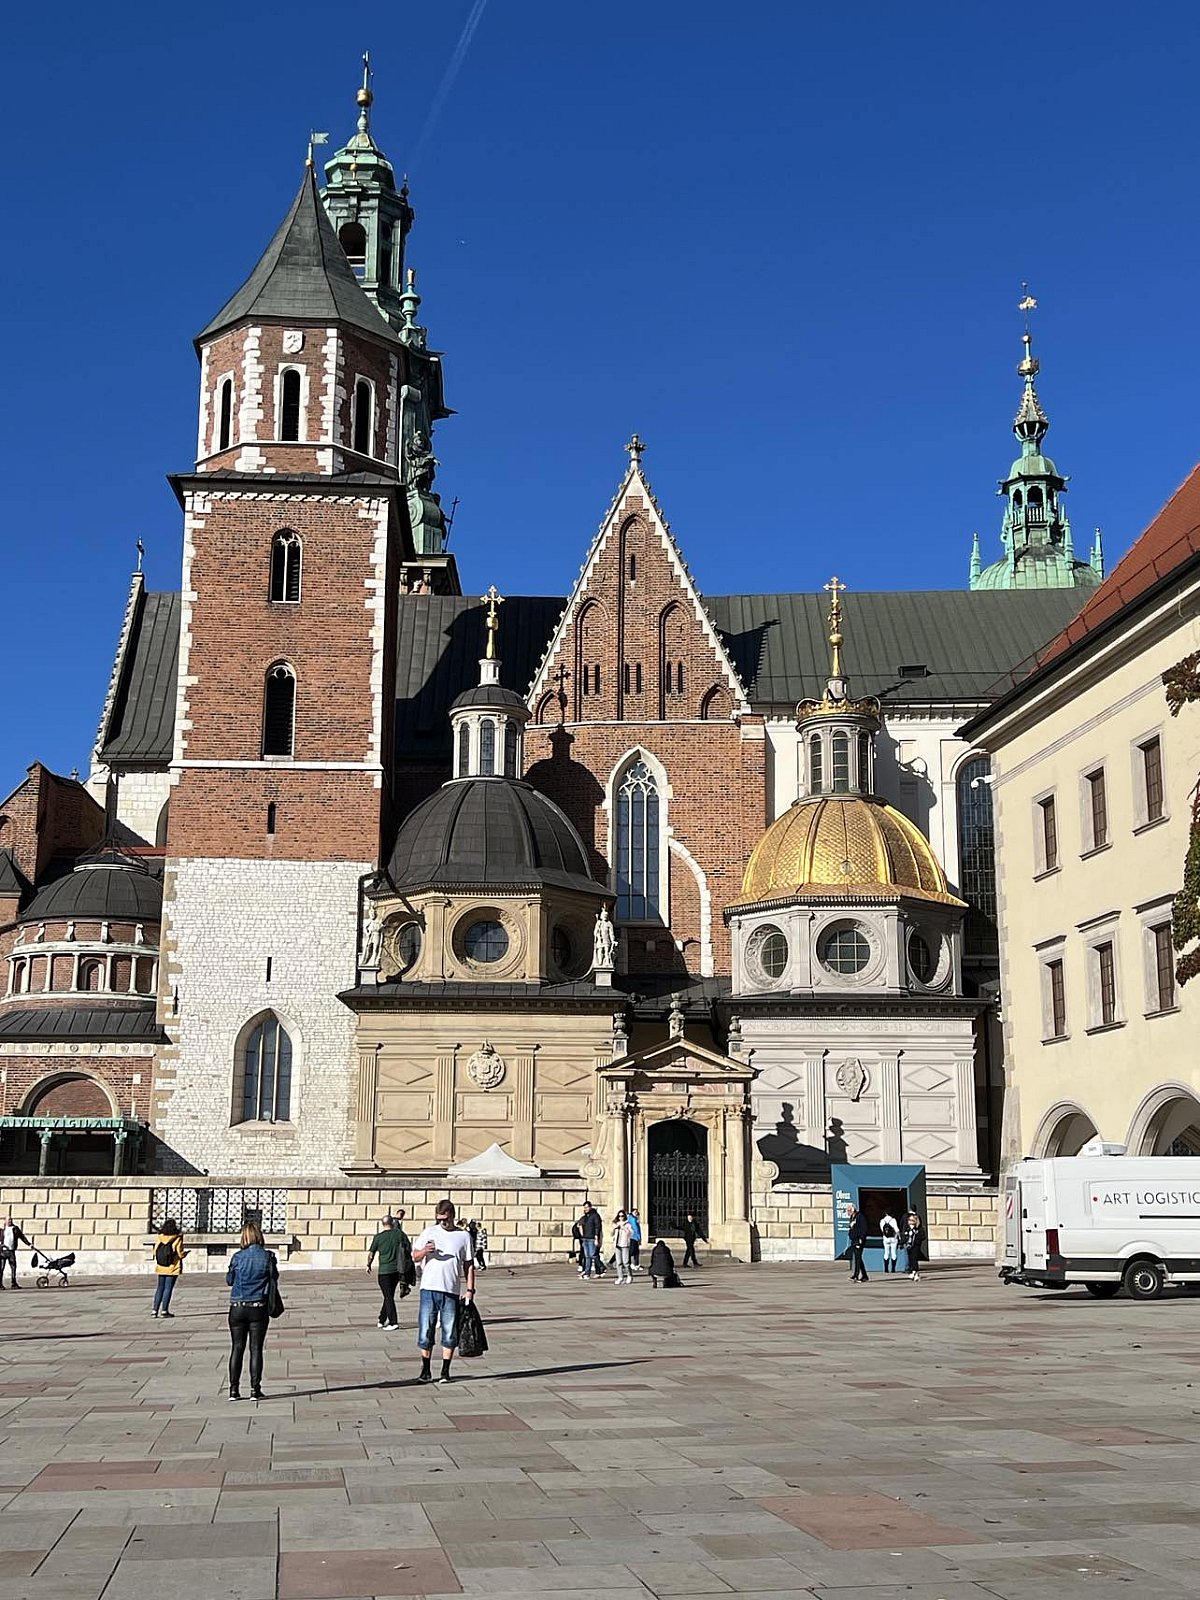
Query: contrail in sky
{"type": "Point", "coordinates": [448, 77]}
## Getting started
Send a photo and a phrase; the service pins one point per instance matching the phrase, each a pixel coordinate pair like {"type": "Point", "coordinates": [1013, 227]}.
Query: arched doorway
{"type": "Point", "coordinates": [678, 1174]}
{"type": "Point", "coordinates": [1064, 1132]}
{"type": "Point", "coordinates": [1171, 1128]}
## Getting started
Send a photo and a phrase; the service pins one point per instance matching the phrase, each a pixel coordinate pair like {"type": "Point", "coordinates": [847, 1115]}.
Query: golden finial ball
{"type": "Point", "coordinates": [364, 97]}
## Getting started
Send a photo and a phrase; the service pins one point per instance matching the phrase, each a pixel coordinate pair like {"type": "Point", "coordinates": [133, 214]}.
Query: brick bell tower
{"type": "Point", "coordinates": [297, 537]}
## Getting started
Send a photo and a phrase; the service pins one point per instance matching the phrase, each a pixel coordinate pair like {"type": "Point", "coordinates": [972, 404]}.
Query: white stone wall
{"type": "Point", "coordinates": [140, 799]}
{"type": "Point", "coordinates": [222, 920]}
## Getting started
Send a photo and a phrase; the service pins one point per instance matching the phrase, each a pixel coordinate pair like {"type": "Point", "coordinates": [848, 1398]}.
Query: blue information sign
{"type": "Point", "coordinates": [877, 1191]}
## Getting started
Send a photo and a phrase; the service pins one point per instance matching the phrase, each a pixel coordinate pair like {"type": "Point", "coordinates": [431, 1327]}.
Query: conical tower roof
{"type": "Point", "coordinates": [303, 276]}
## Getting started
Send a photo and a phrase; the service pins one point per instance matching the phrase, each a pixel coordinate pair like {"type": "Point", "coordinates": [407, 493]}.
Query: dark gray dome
{"type": "Point", "coordinates": [490, 833]}
{"type": "Point", "coordinates": [109, 887]}
{"type": "Point", "coordinates": [492, 695]}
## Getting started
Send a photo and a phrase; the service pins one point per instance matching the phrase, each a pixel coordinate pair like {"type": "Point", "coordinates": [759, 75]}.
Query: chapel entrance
{"type": "Point", "coordinates": [678, 1174]}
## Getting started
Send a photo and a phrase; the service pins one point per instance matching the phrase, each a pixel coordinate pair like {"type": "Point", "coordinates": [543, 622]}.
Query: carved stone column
{"type": "Point", "coordinates": [737, 1137]}
{"type": "Point", "coordinates": [618, 1142]}
{"type": "Point", "coordinates": [888, 1088]}
{"type": "Point", "coordinates": [363, 1159]}
{"type": "Point", "coordinates": [522, 1103]}
{"type": "Point", "coordinates": [442, 1140]}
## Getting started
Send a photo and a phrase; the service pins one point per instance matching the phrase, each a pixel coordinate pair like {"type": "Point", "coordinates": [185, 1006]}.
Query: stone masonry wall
{"type": "Point", "coordinates": [794, 1221]}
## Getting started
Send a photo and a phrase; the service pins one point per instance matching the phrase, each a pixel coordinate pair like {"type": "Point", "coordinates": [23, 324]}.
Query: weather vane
{"type": "Point", "coordinates": [1029, 366]}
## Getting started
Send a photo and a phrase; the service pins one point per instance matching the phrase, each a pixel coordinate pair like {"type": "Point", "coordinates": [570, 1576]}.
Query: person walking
{"type": "Point", "coordinates": [913, 1241]}
{"type": "Point", "coordinates": [635, 1242]}
{"type": "Point", "coordinates": [394, 1250]}
{"type": "Point", "coordinates": [889, 1230]}
{"type": "Point", "coordinates": [168, 1265]}
{"type": "Point", "coordinates": [10, 1238]}
{"type": "Point", "coordinates": [622, 1244]}
{"type": "Point", "coordinates": [252, 1275]}
{"type": "Point", "coordinates": [858, 1242]}
{"type": "Point", "coordinates": [591, 1236]}
{"type": "Point", "coordinates": [481, 1248]}
{"type": "Point", "coordinates": [691, 1232]}
{"type": "Point", "coordinates": [443, 1253]}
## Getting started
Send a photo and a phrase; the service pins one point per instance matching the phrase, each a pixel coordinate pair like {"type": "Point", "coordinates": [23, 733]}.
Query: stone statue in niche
{"type": "Point", "coordinates": [372, 936]}
{"type": "Point", "coordinates": [486, 1067]}
{"type": "Point", "coordinates": [851, 1078]}
{"type": "Point", "coordinates": [604, 942]}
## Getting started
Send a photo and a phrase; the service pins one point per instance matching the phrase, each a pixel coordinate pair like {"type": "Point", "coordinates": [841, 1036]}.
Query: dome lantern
{"type": "Point", "coordinates": [837, 733]}
{"type": "Point", "coordinates": [489, 720]}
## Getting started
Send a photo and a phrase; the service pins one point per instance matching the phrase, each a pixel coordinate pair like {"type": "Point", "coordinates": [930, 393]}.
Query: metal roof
{"type": "Point", "coordinates": [303, 276]}
{"type": "Point", "coordinates": [109, 887]}
{"type": "Point", "coordinates": [141, 727]}
{"type": "Point", "coordinates": [12, 879]}
{"type": "Point", "coordinates": [130, 1024]}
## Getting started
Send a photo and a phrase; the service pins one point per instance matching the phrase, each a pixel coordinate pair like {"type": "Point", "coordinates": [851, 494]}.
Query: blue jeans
{"type": "Point", "coordinates": [589, 1255]}
{"type": "Point", "coordinates": [438, 1310]}
{"type": "Point", "coordinates": [163, 1290]}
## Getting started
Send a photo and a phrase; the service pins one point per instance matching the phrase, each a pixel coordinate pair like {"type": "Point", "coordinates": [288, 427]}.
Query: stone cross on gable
{"type": "Point", "coordinates": [635, 447]}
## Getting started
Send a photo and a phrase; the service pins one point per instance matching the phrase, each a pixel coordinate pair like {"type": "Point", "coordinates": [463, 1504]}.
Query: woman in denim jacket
{"type": "Point", "coordinates": [252, 1272]}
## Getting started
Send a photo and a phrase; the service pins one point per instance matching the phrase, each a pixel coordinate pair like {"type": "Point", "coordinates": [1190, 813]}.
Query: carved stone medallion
{"type": "Point", "coordinates": [851, 1077]}
{"type": "Point", "coordinates": [486, 1067]}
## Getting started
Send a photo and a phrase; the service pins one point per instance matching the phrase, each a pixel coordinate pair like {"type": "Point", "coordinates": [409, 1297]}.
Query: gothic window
{"type": "Point", "coordinates": [289, 404]}
{"type": "Point", "coordinates": [638, 845]}
{"type": "Point", "coordinates": [816, 764]}
{"type": "Point", "coordinates": [364, 406]}
{"type": "Point", "coordinates": [352, 237]}
{"type": "Point", "coordinates": [487, 748]}
{"type": "Point", "coordinates": [841, 763]}
{"type": "Point", "coordinates": [225, 415]}
{"type": "Point", "coordinates": [464, 750]}
{"type": "Point", "coordinates": [285, 568]}
{"type": "Point", "coordinates": [510, 749]}
{"type": "Point", "coordinates": [279, 711]}
{"type": "Point", "coordinates": [977, 855]}
{"type": "Point", "coordinates": [267, 1073]}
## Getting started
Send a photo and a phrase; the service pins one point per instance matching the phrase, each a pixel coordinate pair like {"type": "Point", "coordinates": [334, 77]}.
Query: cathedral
{"type": "Point", "coordinates": [385, 880]}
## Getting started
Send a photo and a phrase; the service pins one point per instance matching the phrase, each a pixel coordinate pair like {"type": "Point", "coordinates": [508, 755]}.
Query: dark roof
{"type": "Point", "coordinates": [140, 728]}
{"type": "Point", "coordinates": [489, 833]}
{"type": "Point", "coordinates": [109, 886]}
{"type": "Point", "coordinates": [303, 276]}
{"type": "Point", "coordinates": [489, 694]}
{"type": "Point", "coordinates": [12, 879]}
{"type": "Point", "coordinates": [127, 1023]}
{"type": "Point", "coordinates": [1171, 540]}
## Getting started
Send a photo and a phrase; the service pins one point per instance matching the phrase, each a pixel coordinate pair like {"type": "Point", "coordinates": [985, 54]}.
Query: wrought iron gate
{"type": "Point", "coordinates": [678, 1184]}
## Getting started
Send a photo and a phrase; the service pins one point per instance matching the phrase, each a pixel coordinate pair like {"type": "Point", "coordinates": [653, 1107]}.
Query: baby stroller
{"type": "Point", "coordinates": [45, 1267]}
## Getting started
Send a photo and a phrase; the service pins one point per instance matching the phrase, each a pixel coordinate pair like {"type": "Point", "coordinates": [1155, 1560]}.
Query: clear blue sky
{"type": "Point", "coordinates": [784, 241]}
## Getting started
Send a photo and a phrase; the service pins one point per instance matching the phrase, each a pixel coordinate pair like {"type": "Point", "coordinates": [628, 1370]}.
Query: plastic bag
{"type": "Point", "coordinates": [472, 1340]}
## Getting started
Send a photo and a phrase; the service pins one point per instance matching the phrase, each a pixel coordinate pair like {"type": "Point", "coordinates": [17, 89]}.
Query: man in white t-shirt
{"type": "Point", "coordinates": [447, 1264]}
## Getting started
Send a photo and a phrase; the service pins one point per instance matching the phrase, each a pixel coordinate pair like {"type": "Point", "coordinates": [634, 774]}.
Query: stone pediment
{"type": "Point", "coordinates": [680, 1060]}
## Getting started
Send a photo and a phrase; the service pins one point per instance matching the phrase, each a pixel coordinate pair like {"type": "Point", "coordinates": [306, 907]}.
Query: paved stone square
{"type": "Point", "coordinates": [765, 1431]}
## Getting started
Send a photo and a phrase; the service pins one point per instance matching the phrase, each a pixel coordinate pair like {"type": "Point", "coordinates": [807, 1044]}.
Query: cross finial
{"type": "Point", "coordinates": [141, 551]}
{"type": "Point", "coordinates": [365, 96]}
{"type": "Point", "coordinates": [1029, 365]}
{"type": "Point", "coordinates": [836, 589]}
{"type": "Point", "coordinates": [635, 447]}
{"type": "Point", "coordinates": [493, 600]}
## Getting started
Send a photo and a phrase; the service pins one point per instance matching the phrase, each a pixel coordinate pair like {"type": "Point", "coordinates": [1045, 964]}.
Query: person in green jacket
{"type": "Point", "coordinates": [395, 1271]}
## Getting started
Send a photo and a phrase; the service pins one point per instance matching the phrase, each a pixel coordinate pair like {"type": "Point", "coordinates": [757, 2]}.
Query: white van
{"type": "Point", "coordinates": [1103, 1221]}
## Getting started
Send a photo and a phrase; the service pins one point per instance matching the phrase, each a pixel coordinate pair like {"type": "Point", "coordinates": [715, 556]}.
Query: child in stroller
{"type": "Point", "coordinates": [45, 1266]}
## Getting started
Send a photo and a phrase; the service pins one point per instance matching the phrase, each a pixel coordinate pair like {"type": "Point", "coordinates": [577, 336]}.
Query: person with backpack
{"type": "Point", "coordinates": [168, 1265]}
{"type": "Point", "coordinates": [252, 1278]}
{"type": "Point", "coordinates": [395, 1271]}
{"type": "Point", "coordinates": [889, 1230]}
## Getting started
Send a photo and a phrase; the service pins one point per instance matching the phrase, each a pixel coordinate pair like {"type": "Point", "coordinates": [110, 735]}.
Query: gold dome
{"type": "Point", "coordinates": [844, 845]}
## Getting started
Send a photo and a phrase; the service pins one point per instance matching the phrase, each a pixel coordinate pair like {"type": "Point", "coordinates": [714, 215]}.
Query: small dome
{"type": "Point", "coordinates": [1038, 567]}
{"type": "Point", "coordinates": [844, 845]}
{"type": "Point", "coordinates": [490, 833]}
{"type": "Point", "coordinates": [491, 696]}
{"type": "Point", "coordinates": [107, 887]}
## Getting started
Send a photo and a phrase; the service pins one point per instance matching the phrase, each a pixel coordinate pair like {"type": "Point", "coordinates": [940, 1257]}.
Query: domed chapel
{"type": "Point", "coordinates": [669, 898]}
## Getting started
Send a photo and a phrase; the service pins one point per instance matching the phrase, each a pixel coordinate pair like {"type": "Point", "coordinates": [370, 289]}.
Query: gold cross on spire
{"type": "Point", "coordinates": [836, 588]}
{"type": "Point", "coordinates": [635, 447]}
{"type": "Point", "coordinates": [1029, 366]}
{"type": "Point", "coordinates": [493, 600]}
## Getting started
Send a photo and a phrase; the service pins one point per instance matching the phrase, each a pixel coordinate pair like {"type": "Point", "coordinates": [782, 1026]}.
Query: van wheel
{"type": "Point", "coordinates": [1103, 1291]}
{"type": "Point", "coordinates": [1143, 1280]}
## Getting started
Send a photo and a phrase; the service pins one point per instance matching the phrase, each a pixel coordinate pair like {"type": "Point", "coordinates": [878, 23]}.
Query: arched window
{"type": "Point", "coordinates": [91, 975]}
{"type": "Point", "coordinates": [464, 750]}
{"type": "Point", "coordinates": [841, 763]}
{"type": "Point", "coordinates": [225, 415]}
{"type": "Point", "coordinates": [20, 977]}
{"type": "Point", "coordinates": [267, 1073]}
{"type": "Point", "coordinates": [352, 237]}
{"type": "Point", "coordinates": [816, 764]}
{"type": "Point", "coordinates": [977, 856]}
{"type": "Point", "coordinates": [364, 417]}
{"type": "Point", "coordinates": [487, 748]}
{"type": "Point", "coordinates": [289, 404]}
{"type": "Point", "coordinates": [279, 711]}
{"type": "Point", "coordinates": [864, 762]}
{"type": "Point", "coordinates": [638, 851]}
{"type": "Point", "coordinates": [510, 749]}
{"type": "Point", "coordinates": [285, 567]}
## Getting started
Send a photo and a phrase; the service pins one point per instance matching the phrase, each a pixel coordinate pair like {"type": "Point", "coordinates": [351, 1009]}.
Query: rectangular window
{"type": "Point", "coordinates": [1049, 839]}
{"type": "Point", "coordinates": [1164, 966]}
{"type": "Point", "coordinates": [1058, 999]}
{"type": "Point", "coordinates": [627, 678]}
{"type": "Point", "coordinates": [1152, 775]}
{"type": "Point", "coordinates": [1106, 974]}
{"type": "Point", "coordinates": [1097, 801]}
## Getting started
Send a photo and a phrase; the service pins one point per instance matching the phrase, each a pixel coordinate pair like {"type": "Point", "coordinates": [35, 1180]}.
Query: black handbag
{"type": "Point", "coordinates": [275, 1305]}
{"type": "Point", "coordinates": [472, 1340]}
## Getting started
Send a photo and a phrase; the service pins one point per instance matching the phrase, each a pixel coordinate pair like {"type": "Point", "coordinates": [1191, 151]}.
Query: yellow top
{"type": "Point", "coordinates": [844, 845]}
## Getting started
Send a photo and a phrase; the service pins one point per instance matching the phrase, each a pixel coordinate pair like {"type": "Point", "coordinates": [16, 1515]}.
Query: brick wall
{"type": "Point", "coordinates": [126, 1075]}
{"type": "Point", "coordinates": [47, 816]}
